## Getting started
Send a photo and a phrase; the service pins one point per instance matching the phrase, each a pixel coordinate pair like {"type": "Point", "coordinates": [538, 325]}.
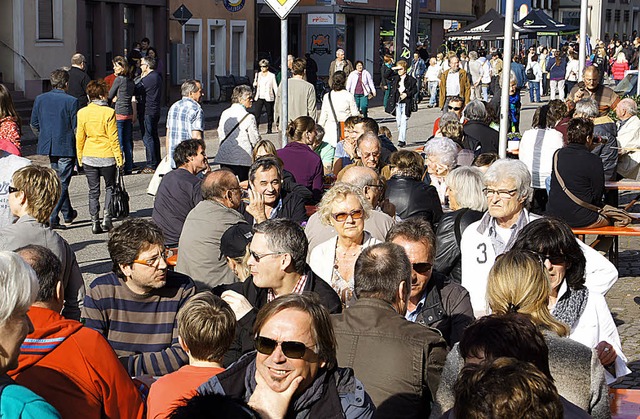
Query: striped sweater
{"type": "Point", "coordinates": [141, 328]}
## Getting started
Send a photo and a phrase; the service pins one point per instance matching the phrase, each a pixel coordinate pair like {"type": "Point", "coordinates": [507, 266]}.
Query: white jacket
{"type": "Point", "coordinates": [236, 149]}
{"type": "Point", "coordinates": [345, 106]}
{"type": "Point", "coordinates": [629, 137]}
{"type": "Point", "coordinates": [323, 256]}
{"type": "Point", "coordinates": [478, 257]}
{"type": "Point", "coordinates": [266, 86]}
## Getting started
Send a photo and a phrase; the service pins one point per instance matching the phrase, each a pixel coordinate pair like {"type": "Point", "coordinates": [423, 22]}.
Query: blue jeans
{"type": "Point", "coordinates": [534, 86]}
{"type": "Point", "coordinates": [433, 91]}
{"type": "Point", "coordinates": [151, 140]}
{"type": "Point", "coordinates": [401, 120]}
{"type": "Point", "coordinates": [362, 102]}
{"type": "Point", "coordinates": [64, 168]}
{"type": "Point", "coordinates": [125, 135]}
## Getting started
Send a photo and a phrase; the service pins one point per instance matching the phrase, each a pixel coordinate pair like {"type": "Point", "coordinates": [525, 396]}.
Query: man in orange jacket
{"type": "Point", "coordinates": [71, 366]}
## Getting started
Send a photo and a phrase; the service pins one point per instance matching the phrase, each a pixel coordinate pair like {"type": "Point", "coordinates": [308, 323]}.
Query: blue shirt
{"type": "Point", "coordinates": [413, 315]}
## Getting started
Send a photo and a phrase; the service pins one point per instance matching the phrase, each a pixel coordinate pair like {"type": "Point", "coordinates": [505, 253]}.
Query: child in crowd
{"type": "Point", "coordinates": [206, 328]}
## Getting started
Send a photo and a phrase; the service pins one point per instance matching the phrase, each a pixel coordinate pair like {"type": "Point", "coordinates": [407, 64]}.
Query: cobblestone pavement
{"type": "Point", "coordinates": [94, 260]}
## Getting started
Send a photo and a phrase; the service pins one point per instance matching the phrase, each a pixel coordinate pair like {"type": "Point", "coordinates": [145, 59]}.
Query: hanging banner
{"type": "Point", "coordinates": [407, 14]}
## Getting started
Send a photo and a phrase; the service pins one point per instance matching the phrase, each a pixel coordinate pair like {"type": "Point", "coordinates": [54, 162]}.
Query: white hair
{"type": "Point", "coordinates": [509, 169]}
{"type": "Point", "coordinates": [466, 184]}
{"type": "Point", "coordinates": [444, 149]}
{"type": "Point", "coordinates": [628, 105]}
{"type": "Point", "coordinates": [18, 285]}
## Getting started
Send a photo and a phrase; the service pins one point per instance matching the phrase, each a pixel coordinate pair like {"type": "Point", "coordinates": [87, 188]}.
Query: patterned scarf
{"type": "Point", "coordinates": [571, 305]}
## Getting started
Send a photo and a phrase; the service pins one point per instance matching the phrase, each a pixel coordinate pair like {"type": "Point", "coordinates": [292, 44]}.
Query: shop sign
{"type": "Point", "coordinates": [234, 5]}
{"type": "Point", "coordinates": [320, 19]}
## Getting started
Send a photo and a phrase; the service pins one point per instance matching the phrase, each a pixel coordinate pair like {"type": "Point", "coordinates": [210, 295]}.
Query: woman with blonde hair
{"type": "Point", "coordinates": [619, 67]}
{"type": "Point", "coordinates": [344, 208]}
{"type": "Point", "coordinates": [518, 283]}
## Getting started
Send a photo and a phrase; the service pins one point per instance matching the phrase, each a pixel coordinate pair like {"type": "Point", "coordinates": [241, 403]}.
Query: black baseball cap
{"type": "Point", "coordinates": [234, 241]}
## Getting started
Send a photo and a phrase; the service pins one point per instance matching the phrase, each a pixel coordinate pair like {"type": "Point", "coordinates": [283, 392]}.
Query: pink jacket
{"type": "Point", "coordinates": [367, 82]}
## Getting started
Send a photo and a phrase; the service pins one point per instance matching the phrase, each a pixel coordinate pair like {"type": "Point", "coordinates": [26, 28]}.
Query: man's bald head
{"type": "Point", "coordinates": [216, 184]}
{"type": "Point", "coordinates": [360, 176]}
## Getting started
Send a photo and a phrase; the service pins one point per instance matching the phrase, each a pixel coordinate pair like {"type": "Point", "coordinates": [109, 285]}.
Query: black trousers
{"type": "Point", "coordinates": [93, 175]}
{"type": "Point", "coordinates": [258, 105]}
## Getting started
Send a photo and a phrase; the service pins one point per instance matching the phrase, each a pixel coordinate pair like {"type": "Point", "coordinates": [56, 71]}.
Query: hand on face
{"type": "Point", "coordinates": [271, 404]}
{"type": "Point", "coordinates": [256, 206]}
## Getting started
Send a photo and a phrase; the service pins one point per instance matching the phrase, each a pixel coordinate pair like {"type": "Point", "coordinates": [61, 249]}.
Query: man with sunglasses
{"type": "Point", "coordinates": [454, 82]}
{"type": "Point", "coordinates": [199, 244]}
{"type": "Point", "coordinates": [135, 306]}
{"type": "Point", "coordinates": [399, 362]}
{"type": "Point", "coordinates": [294, 372]}
{"type": "Point", "coordinates": [455, 106]}
{"type": "Point", "coordinates": [435, 300]}
{"type": "Point", "coordinates": [278, 267]}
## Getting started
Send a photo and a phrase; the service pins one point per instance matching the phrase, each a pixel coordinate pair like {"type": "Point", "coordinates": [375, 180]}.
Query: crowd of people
{"type": "Point", "coordinates": [338, 276]}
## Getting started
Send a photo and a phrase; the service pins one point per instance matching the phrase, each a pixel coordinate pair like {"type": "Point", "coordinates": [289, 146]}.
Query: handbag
{"type": "Point", "coordinates": [530, 74]}
{"type": "Point", "coordinates": [616, 216]}
{"type": "Point", "coordinates": [339, 125]}
{"type": "Point", "coordinates": [163, 168]}
{"type": "Point", "coordinates": [119, 205]}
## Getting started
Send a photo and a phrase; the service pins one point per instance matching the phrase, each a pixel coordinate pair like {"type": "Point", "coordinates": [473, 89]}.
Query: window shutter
{"type": "Point", "coordinates": [45, 19]}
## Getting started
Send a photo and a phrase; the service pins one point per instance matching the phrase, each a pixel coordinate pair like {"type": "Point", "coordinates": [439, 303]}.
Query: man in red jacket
{"type": "Point", "coordinates": [71, 366]}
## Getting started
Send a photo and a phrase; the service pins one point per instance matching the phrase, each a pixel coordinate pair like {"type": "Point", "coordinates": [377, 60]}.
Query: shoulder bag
{"type": "Point", "coordinates": [616, 216]}
{"type": "Point", "coordinates": [339, 125]}
{"type": "Point", "coordinates": [235, 127]}
{"type": "Point", "coordinates": [119, 205]}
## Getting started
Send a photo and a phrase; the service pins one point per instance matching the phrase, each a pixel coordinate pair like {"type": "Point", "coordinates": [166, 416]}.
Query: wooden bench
{"type": "Point", "coordinates": [622, 185]}
{"type": "Point", "coordinates": [624, 403]}
{"type": "Point", "coordinates": [608, 231]}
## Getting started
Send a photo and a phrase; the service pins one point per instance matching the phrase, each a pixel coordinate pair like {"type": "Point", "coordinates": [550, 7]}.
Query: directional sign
{"type": "Point", "coordinates": [182, 15]}
{"type": "Point", "coordinates": [282, 7]}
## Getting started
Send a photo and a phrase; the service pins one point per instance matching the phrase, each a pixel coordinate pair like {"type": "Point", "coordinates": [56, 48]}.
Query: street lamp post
{"type": "Point", "coordinates": [506, 75]}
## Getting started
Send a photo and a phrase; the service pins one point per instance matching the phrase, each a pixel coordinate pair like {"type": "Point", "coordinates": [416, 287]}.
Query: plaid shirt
{"type": "Point", "coordinates": [184, 116]}
{"type": "Point", "coordinates": [296, 290]}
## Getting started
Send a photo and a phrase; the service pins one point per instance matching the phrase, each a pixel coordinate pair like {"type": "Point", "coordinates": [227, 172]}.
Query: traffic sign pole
{"type": "Point", "coordinates": [284, 79]}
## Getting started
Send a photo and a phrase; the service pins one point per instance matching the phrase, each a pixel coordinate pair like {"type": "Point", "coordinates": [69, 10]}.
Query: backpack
{"type": "Point", "coordinates": [530, 74]}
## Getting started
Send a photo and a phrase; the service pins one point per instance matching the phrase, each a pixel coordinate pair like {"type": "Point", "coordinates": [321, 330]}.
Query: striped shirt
{"type": "Point", "coordinates": [140, 327]}
{"type": "Point", "coordinates": [184, 116]}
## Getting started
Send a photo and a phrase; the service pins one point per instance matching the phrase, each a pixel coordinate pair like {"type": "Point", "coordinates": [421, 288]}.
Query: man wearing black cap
{"type": "Point", "coordinates": [233, 246]}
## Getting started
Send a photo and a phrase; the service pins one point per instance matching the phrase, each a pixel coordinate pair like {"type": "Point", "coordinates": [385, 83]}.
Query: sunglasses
{"type": "Point", "coordinates": [290, 349]}
{"type": "Point", "coordinates": [422, 267]}
{"type": "Point", "coordinates": [341, 217]}
{"type": "Point", "coordinates": [258, 256]}
{"type": "Point", "coordinates": [554, 259]}
{"type": "Point", "coordinates": [454, 108]}
{"type": "Point", "coordinates": [13, 189]}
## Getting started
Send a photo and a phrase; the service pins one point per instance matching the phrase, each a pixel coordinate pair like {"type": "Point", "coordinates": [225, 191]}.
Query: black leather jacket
{"type": "Point", "coordinates": [480, 138]}
{"type": "Point", "coordinates": [448, 236]}
{"type": "Point", "coordinates": [414, 198]}
{"type": "Point", "coordinates": [446, 308]}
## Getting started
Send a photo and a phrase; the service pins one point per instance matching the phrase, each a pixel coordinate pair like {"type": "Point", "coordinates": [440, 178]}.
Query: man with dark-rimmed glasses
{"type": "Point", "coordinates": [135, 306]}
{"type": "Point", "coordinates": [278, 267]}
{"type": "Point", "coordinates": [435, 300]}
{"type": "Point", "coordinates": [294, 372]}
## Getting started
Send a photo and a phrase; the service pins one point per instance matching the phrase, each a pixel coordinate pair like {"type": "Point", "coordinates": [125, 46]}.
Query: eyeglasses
{"type": "Point", "coordinates": [375, 185]}
{"type": "Point", "coordinates": [422, 267]}
{"type": "Point", "coordinates": [257, 256]}
{"type": "Point", "coordinates": [13, 189]}
{"type": "Point", "coordinates": [290, 349]}
{"type": "Point", "coordinates": [454, 108]}
{"type": "Point", "coordinates": [554, 259]}
{"type": "Point", "coordinates": [341, 217]}
{"type": "Point", "coordinates": [502, 193]}
{"type": "Point", "coordinates": [155, 261]}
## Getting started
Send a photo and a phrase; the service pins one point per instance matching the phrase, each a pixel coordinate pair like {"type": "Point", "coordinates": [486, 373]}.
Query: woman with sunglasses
{"type": "Point", "coordinates": [572, 300]}
{"type": "Point", "coordinates": [344, 208]}
{"type": "Point", "coordinates": [265, 88]}
{"type": "Point", "coordinates": [518, 283]}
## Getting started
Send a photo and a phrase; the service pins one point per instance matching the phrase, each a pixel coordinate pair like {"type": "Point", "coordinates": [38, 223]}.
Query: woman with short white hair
{"type": "Point", "coordinates": [441, 156]}
{"type": "Point", "coordinates": [19, 288]}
